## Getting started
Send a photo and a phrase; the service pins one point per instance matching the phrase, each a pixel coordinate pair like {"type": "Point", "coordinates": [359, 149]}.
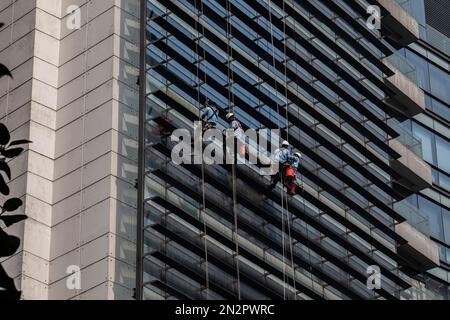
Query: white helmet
{"type": "Point", "coordinates": [285, 143]}
{"type": "Point", "coordinates": [298, 154]}
{"type": "Point", "coordinates": [229, 115]}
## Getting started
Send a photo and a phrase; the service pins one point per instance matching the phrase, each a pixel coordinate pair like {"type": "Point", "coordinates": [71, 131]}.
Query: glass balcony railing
{"type": "Point", "coordinates": [413, 215]}
{"type": "Point", "coordinates": [406, 5]}
{"type": "Point", "coordinates": [407, 138]}
{"type": "Point", "coordinates": [407, 69]}
{"type": "Point", "coordinates": [438, 40]}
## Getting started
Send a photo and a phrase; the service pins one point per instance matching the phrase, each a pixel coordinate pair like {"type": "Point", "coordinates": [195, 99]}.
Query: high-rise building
{"type": "Point", "coordinates": [74, 94]}
{"type": "Point", "coordinates": [337, 86]}
{"type": "Point", "coordinates": [358, 87]}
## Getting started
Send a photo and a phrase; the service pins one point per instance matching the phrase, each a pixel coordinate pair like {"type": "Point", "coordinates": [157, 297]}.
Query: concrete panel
{"type": "Point", "coordinates": [72, 69]}
{"type": "Point", "coordinates": [53, 7]}
{"type": "Point", "coordinates": [43, 115]}
{"type": "Point", "coordinates": [19, 96]}
{"type": "Point", "coordinates": [22, 74]}
{"type": "Point", "coordinates": [69, 137]}
{"type": "Point", "coordinates": [95, 221]}
{"type": "Point", "coordinates": [46, 22]}
{"type": "Point", "coordinates": [18, 52]}
{"type": "Point", "coordinates": [18, 117]}
{"type": "Point", "coordinates": [43, 140]}
{"type": "Point", "coordinates": [68, 163]}
{"type": "Point", "coordinates": [35, 267]}
{"type": "Point", "coordinates": [46, 47]}
{"type": "Point", "coordinates": [99, 95]}
{"type": "Point", "coordinates": [66, 208]}
{"type": "Point", "coordinates": [67, 186]}
{"type": "Point", "coordinates": [45, 72]}
{"type": "Point", "coordinates": [38, 210]}
{"type": "Point", "coordinates": [71, 91]}
{"type": "Point", "coordinates": [99, 121]}
{"type": "Point", "coordinates": [97, 170]}
{"type": "Point", "coordinates": [68, 235]}
{"type": "Point", "coordinates": [39, 187]}
{"type": "Point", "coordinates": [44, 94]}
{"type": "Point", "coordinates": [103, 26]}
{"type": "Point", "coordinates": [33, 289]}
{"type": "Point", "coordinates": [40, 165]}
{"type": "Point", "coordinates": [37, 239]}
{"type": "Point", "coordinates": [100, 52]}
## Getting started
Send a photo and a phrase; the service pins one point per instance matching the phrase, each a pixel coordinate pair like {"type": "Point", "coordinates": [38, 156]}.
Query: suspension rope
{"type": "Point", "coordinates": [233, 168]}
{"type": "Point", "coordinates": [288, 213]}
{"type": "Point", "coordinates": [281, 175]}
{"type": "Point", "coordinates": [202, 208]}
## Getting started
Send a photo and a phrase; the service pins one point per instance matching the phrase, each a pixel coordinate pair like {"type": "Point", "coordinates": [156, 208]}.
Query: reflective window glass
{"type": "Point", "coordinates": [443, 154]}
{"type": "Point", "coordinates": [433, 212]}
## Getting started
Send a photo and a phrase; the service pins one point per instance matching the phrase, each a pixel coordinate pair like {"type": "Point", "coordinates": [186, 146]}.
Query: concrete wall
{"type": "Point", "coordinates": [74, 94]}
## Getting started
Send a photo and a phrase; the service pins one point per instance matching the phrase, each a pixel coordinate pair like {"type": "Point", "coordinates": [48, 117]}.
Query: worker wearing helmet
{"type": "Point", "coordinates": [294, 161]}
{"type": "Point", "coordinates": [281, 156]}
{"type": "Point", "coordinates": [239, 134]}
{"type": "Point", "coordinates": [209, 116]}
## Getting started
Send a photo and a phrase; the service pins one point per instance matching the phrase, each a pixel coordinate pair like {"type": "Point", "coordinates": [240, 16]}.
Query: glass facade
{"type": "Point", "coordinates": [312, 70]}
{"type": "Point", "coordinates": [430, 56]}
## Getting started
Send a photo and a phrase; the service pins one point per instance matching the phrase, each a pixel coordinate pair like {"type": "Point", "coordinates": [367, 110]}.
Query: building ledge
{"type": "Point", "coordinates": [420, 252]}
{"type": "Point", "coordinates": [409, 99]}
{"type": "Point", "coordinates": [415, 173]}
{"type": "Point", "coordinates": [401, 27]}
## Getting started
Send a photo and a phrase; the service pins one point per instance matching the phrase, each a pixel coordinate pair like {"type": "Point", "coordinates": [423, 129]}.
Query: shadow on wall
{"type": "Point", "coordinates": [8, 244]}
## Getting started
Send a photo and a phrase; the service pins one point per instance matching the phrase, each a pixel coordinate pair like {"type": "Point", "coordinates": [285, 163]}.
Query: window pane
{"type": "Point", "coordinates": [427, 141]}
{"type": "Point", "coordinates": [444, 181]}
{"type": "Point", "coordinates": [433, 212]}
{"type": "Point", "coordinates": [446, 218]}
{"type": "Point", "coordinates": [443, 154]}
{"type": "Point", "coordinates": [439, 83]}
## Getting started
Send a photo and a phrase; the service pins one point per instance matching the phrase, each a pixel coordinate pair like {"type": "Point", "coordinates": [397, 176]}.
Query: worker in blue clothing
{"type": "Point", "coordinates": [282, 157]}
{"type": "Point", "coordinates": [239, 134]}
{"type": "Point", "coordinates": [294, 161]}
{"type": "Point", "coordinates": [210, 116]}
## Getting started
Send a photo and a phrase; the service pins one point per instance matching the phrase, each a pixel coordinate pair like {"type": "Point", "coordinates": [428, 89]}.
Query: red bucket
{"type": "Point", "coordinates": [289, 172]}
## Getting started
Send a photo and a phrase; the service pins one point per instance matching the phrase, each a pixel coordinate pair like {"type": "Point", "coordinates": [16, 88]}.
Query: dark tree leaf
{"type": "Point", "coordinates": [4, 71]}
{"type": "Point", "coordinates": [10, 220]}
{"type": "Point", "coordinates": [6, 282]}
{"type": "Point", "coordinates": [11, 153]}
{"type": "Point", "coordinates": [9, 244]}
{"type": "Point", "coordinates": [4, 135]}
{"type": "Point", "coordinates": [5, 168]}
{"type": "Point", "coordinates": [17, 142]}
{"type": "Point", "coordinates": [4, 189]}
{"type": "Point", "coordinates": [12, 204]}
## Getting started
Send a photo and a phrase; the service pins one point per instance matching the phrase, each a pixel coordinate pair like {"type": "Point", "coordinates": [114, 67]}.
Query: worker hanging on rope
{"type": "Point", "coordinates": [239, 134]}
{"type": "Point", "coordinates": [281, 157]}
{"type": "Point", "coordinates": [209, 116]}
{"type": "Point", "coordinates": [291, 173]}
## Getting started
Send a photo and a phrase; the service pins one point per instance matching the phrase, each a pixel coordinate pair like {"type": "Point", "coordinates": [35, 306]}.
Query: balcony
{"type": "Point", "coordinates": [420, 252]}
{"type": "Point", "coordinates": [414, 172]}
{"type": "Point", "coordinates": [408, 98]}
{"type": "Point", "coordinates": [397, 23]}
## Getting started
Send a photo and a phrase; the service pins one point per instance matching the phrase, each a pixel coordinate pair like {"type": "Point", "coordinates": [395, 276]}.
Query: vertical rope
{"type": "Point", "coordinates": [233, 168]}
{"type": "Point", "coordinates": [281, 176]}
{"type": "Point", "coordinates": [202, 182]}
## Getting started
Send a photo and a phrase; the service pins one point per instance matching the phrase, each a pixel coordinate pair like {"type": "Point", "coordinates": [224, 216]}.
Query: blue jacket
{"type": "Point", "coordinates": [294, 162]}
{"type": "Point", "coordinates": [209, 115]}
{"type": "Point", "coordinates": [282, 155]}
